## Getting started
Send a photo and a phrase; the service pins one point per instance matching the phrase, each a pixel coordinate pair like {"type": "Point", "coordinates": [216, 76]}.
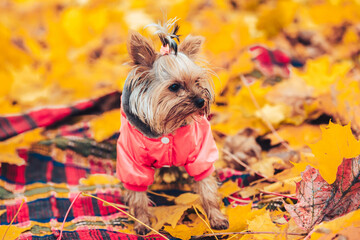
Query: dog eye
{"type": "Point", "coordinates": [174, 87]}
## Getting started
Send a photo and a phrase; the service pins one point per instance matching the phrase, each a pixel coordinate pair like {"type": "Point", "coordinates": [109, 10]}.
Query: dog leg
{"type": "Point", "coordinates": [138, 203]}
{"type": "Point", "coordinates": [207, 189]}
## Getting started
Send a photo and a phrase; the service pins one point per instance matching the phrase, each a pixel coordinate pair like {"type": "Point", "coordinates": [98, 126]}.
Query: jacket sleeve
{"type": "Point", "coordinates": [200, 163]}
{"type": "Point", "coordinates": [131, 168]}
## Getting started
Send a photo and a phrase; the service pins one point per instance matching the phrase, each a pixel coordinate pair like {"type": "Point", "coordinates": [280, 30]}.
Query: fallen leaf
{"type": "Point", "coordinates": [187, 199]}
{"type": "Point", "coordinates": [274, 114]}
{"type": "Point", "coordinates": [99, 179]}
{"type": "Point", "coordinates": [243, 145]}
{"type": "Point", "coordinates": [238, 217]}
{"type": "Point", "coordinates": [105, 125]}
{"type": "Point", "coordinates": [228, 188]}
{"type": "Point", "coordinates": [8, 148]}
{"type": "Point", "coordinates": [184, 232]}
{"type": "Point", "coordinates": [267, 166]}
{"type": "Point", "coordinates": [13, 232]}
{"type": "Point", "coordinates": [337, 142]}
{"type": "Point", "coordinates": [346, 226]}
{"type": "Point", "coordinates": [319, 201]}
{"type": "Point", "coordinates": [262, 223]}
{"type": "Point", "coordinates": [168, 214]}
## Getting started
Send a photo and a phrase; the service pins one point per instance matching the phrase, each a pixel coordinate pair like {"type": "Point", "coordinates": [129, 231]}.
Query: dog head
{"type": "Point", "coordinates": [166, 90]}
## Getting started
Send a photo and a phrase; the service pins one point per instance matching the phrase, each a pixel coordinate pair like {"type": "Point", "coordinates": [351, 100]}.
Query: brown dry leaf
{"type": "Point", "coordinates": [287, 186]}
{"type": "Point", "coordinates": [187, 199]}
{"type": "Point", "coordinates": [168, 214]}
{"type": "Point", "coordinates": [243, 145]}
{"type": "Point", "coordinates": [293, 93]}
{"type": "Point", "coordinates": [268, 165]}
{"type": "Point", "coordinates": [172, 214]}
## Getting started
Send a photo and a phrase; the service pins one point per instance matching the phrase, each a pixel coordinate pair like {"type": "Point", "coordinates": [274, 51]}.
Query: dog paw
{"type": "Point", "coordinates": [141, 229]}
{"type": "Point", "coordinates": [219, 223]}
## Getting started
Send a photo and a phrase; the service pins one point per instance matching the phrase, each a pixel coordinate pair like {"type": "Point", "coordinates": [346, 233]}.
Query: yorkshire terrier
{"type": "Point", "coordinates": [165, 101]}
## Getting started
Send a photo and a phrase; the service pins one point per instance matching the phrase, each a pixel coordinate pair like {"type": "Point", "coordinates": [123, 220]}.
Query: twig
{"type": "Point", "coordinates": [7, 229]}
{"type": "Point", "coordinates": [242, 163]}
{"type": "Point", "coordinates": [278, 194]}
{"type": "Point", "coordinates": [244, 233]}
{"type": "Point", "coordinates": [67, 213]}
{"type": "Point", "coordinates": [118, 205]}
{"type": "Point", "coordinates": [129, 215]}
{"type": "Point", "coordinates": [213, 234]}
{"type": "Point", "coordinates": [239, 200]}
{"type": "Point", "coordinates": [266, 121]}
{"type": "Point", "coordinates": [168, 197]}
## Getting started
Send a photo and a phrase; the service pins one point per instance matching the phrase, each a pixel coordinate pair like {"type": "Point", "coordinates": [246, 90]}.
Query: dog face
{"type": "Point", "coordinates": [167, 91]}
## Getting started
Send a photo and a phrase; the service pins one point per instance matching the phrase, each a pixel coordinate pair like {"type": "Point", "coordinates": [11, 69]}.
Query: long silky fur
{"type": "Point", "coordinates": [138, 203]}
{"type": "Point", "coordinates": [155, 110]}
{"type": "Point", "coordinates": [207, 189]}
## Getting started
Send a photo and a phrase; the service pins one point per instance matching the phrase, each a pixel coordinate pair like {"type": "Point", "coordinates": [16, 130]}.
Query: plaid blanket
{"type": "Point", "coordinates": [16, 124]}
{"type": "Point", "coordinates": [49, 181]}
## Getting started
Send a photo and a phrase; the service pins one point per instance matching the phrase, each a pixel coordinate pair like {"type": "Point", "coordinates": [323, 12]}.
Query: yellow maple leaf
{"type": "Point", "coordinates": [99, 179]}
{"type": "Point", "coordinates": [337, 143]}
{"type": "Point", "coordinates": [266, 166]}
{"type": "Point", "coordinates": [228, 188]}
{"type": "Point", "coordinates": [187, 199]}
{"type": "Point", "coordinates": [183, 231]}
{"type": "Point", "coordinates": [8, 148]}
{"type": "Point", "coordinates": [262, 223]}
{"type": "Point", "coordinates": [275, 114]}
{"type": "Point", "coordinates": [196, 228]}
{"type": "Point", "coordinates": [13, 232]}
{"type": "Point", "coordinates": [321, 73]}
{"type": "Point", "coordinates": [324, 229]}
{"type": "Point", "coordinates": [29, 87]}
{"type": "Point", "coordinates": [168, 214]}
{"type": "Point", "coordinates": [238, 217]}
{"type": "Point", "coordinates": [297, 136]}
{"type": "Point", "coordinates": [274, 18]}
{"type": "Point", "coordinates": [106, 125]}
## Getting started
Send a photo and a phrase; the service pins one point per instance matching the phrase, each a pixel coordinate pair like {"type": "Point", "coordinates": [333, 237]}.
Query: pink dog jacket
{"type": "Point", "coordinates": [191, 146]}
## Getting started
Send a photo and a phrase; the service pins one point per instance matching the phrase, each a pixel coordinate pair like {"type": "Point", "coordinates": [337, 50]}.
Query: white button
{"type": "Point", "coordinates": [165, 140]}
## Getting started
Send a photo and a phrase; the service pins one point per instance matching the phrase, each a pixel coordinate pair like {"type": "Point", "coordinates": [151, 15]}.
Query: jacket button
{"type": "Point", "coordinates": [165, 140]}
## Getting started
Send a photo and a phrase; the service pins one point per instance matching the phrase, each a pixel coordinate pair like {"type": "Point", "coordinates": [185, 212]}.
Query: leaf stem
{"type": "Point", "coordinates": [266, 121]}
{"type": "Point", "coordinates": [129, 215]}
{"type": "Point", "coordinates": [213, 234]}
{"type": "Point", "coordinates": [278, 194]}
{"type": "Point", "coordinates": [244, 233]}
{"type": "Point", "coordinates": [7, 229]}
{"type": "Point", "coordinates": [247, 167]}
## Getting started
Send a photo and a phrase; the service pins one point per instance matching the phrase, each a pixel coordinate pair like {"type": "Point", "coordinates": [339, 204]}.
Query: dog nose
{"type": "Point", "coordinates": [199, 102]}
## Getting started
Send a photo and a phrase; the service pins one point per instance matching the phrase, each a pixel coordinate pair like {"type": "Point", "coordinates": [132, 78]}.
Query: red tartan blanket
{"type": "Point", "coordinates": [49, 181]}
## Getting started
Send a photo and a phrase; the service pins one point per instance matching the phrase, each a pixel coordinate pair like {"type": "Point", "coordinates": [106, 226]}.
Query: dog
{"type": "Point", "coordinates": [165, 101]}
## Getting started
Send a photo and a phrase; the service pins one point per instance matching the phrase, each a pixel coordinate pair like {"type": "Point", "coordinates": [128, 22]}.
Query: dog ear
{"type": "Point", "coordinates": [191, 46]}
{"type": "Point", "coordinates": [140, 50]}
